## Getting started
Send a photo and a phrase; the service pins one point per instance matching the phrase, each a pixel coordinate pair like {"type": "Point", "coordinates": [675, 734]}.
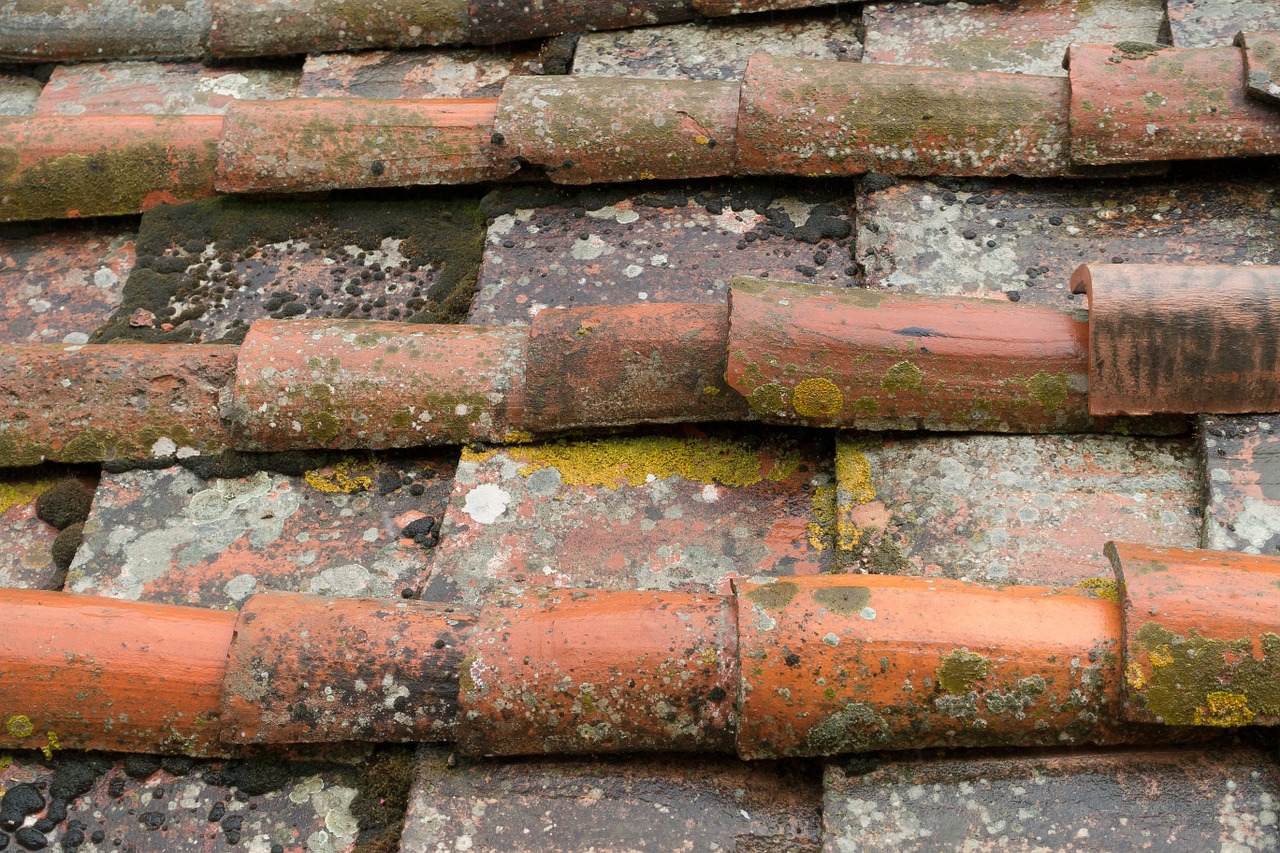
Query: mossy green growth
{"type": "Point", "coordinates": [768, 399]}
{"type": "Point", "coordinates": [774, 596]}
{"type": "Point", "coordinates": [1101, 587]}
{"type": "Point", "coordinates": [903, 376]}
{"type": "Point", "coordinates": [857, 727]}
{"type": "Point", "coordinates": [844, 600]}
{"type": "Point", "coordinates": [960, 670]}
{"type": "Point", "coordinates": [1050, 390]}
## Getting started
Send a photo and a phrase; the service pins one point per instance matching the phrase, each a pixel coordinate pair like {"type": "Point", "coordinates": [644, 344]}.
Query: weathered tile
{"type": "Point", "coordinates": [18, 94]}
{"type": "Point", "coordinates": [668, 511]}
{"type": "Point", "coordinates": [626, 804]}
{"type": "Point", "coordinates": [171, 536]}
{"type": "Point", "coordinates": [61, 286]}
{"type": "Point", "coordinates": [1011, 509]}
{"type": "Point", "coordinates": [714, 49]}
{"type": "Point", "coordinates": [1023, 241]}
{"type": "Point", "coordinates": [470, 73]}
{"type": "Point", "coordinates": [26, 542]}
{"type": "Point", "coordinates": [207, 270]}
{"type": "Point", "coordinates": [141, 88]}
{"type": "Point", "coordinates": [1029, 37]}
{"type": "Point", "coordinates": [1242, 508]}
{"type": "Point", "coordinates": [675, 245]}
{"type": "Point", "coordinates": [1189, 800]}
{"type": "Point", "coordinates": [1214, 23]}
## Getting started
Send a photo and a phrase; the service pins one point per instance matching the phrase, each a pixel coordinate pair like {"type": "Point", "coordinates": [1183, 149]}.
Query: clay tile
{"type": "Point", "coordinates": [502, 21]}
{"type": "Point", "coordinates": [312, 144]}
{"type": "Point", "coordinates": [1181, 338]}
{"type": "Point", "coordinates": [1201, 636]}
{"type": "Point", "coordinates": [719, 8]}
{"type": "Point", "coordinates": [104, 165]}
{"type": "Point", "coordinates": [1261, 64]}
{"type": "Point", "coordinates": [102, 29]}
{"type": "Point", "coordinates": [607, 129]}
{"type": "Point", "coordinates": [1135, 103]}
{"type": "Point", "coordinates": [813, 118]}
{"type": "Point", "coordinates": [860, 357]}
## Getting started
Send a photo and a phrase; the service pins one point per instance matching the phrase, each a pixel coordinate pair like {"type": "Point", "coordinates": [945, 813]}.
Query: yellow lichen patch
{"type": "Point", "coordinates": [19, 726]}
{"type": "Point", "coordinates": [1101, 587]}
{"type": "Point", "coordinates": [817, 398]}
{"type": "Point", "coordinates": [1050, 390]}
{"type": "Point", "coordinates": [340, 479]}
{"type": "Point", "coordinates": [960, 670]}
{"type": "Point", "coordinates": [853, 473]}
{"type": "Point", "coordinates": [16, 492]}
{"type": "Point", "coordinates": [1160, 656]}
{"type": "Point", "coordinates": [49, 747]}
{"type": "Point", "coordinates": [477, 455]}
{"type": "Point", "coordinates": [903, 376]}
{"type": "Point", "coordinates": [822, 531]}
{"type": "Point", "coordinates": [517, 436]}
{"type": "Point", "coordinates": [1225, 710]}
{"type": "Point", "coordinates": [610, 462]}
{"type": "Point", "coordinates": [1135, 677]}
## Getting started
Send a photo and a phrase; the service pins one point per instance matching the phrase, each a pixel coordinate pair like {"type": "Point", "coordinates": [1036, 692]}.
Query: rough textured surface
{"type": "Point", "coordinates": [648, 512]}
{"type": "Point", "coordinates": [1011, 510]}
{"type": "Point", "coordinates": [283, 27]}
{"type": "Point", "coordinates": [150, 88]}
{"type": "Point", "coordinates": [18, 94]}
{"type": "Point", "coordinates": [501, 21]}
{"type": "Point", "coordinates": [1241, 455]}
{"type": "Point", "coordinates": [60, 286]}
{"type": "Point", "coordinates": [613, 806]}
{"type": "Point", "coordinates": [1185, 801]}
{"type": "Point", "coordinates": [103, 29]}
{"type": "Point", "coordinates": [1214, 23]}
{"type": "Point", "coordinates": [1262, 64]}
{"type": "Point", "coordinates": [1028, 37]}
{"type": "Point", "coordinates": [454, 73]}
{"type": "Point", "coordinates": [170, 536]}
{"type": "Point", "coordinates": [26, 542]}
{"type": "Point", "coordinates": [714, 50]}
{"type": "Point", "coordinates": [679, 244]}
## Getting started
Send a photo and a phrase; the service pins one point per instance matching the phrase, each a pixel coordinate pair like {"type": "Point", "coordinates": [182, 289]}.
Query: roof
{"type": "Point", "coordinates": [652, 426]}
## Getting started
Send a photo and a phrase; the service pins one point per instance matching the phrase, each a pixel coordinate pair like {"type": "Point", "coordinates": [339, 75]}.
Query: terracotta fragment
{"type": "Point", "coordinates": [102, 29]}
{"type": "Point", "coordinates": [812, 118]}
{"type": "Point", "coordinates": [306, 669]}
{"type": "Point", "coordinates": [500, 21]}
{"type": "Point", "coordinates": [1201, 636]}
{"type": "Point", "coordinates": [53, 167]}
{"type": "Point", "coordinates": [284, 27]}
{"type": "Point", "coordinates": [96, 403]}
{"type": "Point", "coordinates": [1181, 338]}
{"type": "Point", "coordinates": [1261, 64]}
{"type": "Point", "coordinates": [856, 357]}
{"type": "Point", "coordinates": [1138, 103]}
{"type": "Point", "coordinates": [613, 366]}
{"type": "Point", "coordinates": [587, 130]}
{"type": "Point", "coordinates": [430, 73]}
{"type": "Point", "coordinates": [310, 144]}
{"type": "Point", "coordinates": [92, 673]}
{"type": "Point", "coordinates": [360, 384]}
{"type": "Point", "coordinates": [855, 663]}
{"type": "Point", "coordinates": [571, 672]}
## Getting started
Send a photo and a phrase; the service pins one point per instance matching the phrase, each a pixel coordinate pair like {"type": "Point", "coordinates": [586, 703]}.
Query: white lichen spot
{"type": "Point", "coordinates": [240, 587]}
{"type": "Point", "coordinates": [164, 447]}
{"type": "Point", "coordinates": [486, 503]}
{"type": "Point", "coordinates": [867, 613]}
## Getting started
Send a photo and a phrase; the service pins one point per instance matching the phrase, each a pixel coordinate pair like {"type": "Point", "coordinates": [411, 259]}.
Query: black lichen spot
{"type": "Point", "coordinates": [151, 820]}
{"type": "Point", "coordinates": [791, 659]}
{"type": "Point", "coordinates": [141, 766]}
{"type": "Point", "coordinates": [65, 503]}
{"type": "Point", "coordinates": [18, 802]}
{"type": "Point", "coordinates": [64, 551]}
{"type": "Point", "coordinates": [31, 838]}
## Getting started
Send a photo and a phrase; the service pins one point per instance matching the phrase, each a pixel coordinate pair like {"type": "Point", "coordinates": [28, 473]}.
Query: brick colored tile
{"type": "Point", "coordinates": [1011, 509]}
{"type": "Point", "coordinates": [1190, 800]}
{"type": "Point", "coordinates": [918, 236]}
{"type": "Point", "coordinates": [612, 806]}
{"type": "Point", "coordinates": [648, 512]}
{"type": "Point", "coordinates": [714, 50]}
{"type": "Point", "coordinates": [61, 286]}
{"type": "Point", "coordinates": [502, 21]}
{"type": "Point", "coordinates": [102, 29]}
{"type": "Point", "coordinates": [170, 536]}
{"type": "Point", "coordinates": [142, 88]}
{"type": "Point", "coordinates": [669, 247]}
{"type": "Point", "coordinates": [18, 94]}
{"type": "Point", "coordinates": [1262, 64]}
{"type": "Point", "coordinates": [454, 73]}
{"type": "Point", "coordinates": [1240, 455]}
{"type": "Point", "coordinates": [1023, 38]}
{"type": "Point", "coordinates": [282, 27]}
{"type": "Point", "coordinates": [1214, 23]}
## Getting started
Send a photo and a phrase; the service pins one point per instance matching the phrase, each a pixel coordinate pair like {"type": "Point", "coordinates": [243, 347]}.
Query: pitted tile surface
{"type": "Point", "coordinates": [18, 94]}
{"type": "Point", "coordinates": [1214, 23]}
{"type": "Point", "coordinates": [145, 88]}
{"type": "Point", "coordinates": [470, 73]}
{"type": "Point", "coordinates": [1241, 456]}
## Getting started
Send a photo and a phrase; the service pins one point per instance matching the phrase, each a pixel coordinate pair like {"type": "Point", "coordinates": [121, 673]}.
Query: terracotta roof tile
{"type": "Point", "coordinates": [1241, 484]}
{"type": "Point", "coordinates": [154, 88]}
{"type": "Point", "coordinates": [441, 73]}
{"type": "Point", "coordinates": [1214, 23]}
{"type": "Point", "coordinates": [103, 29]}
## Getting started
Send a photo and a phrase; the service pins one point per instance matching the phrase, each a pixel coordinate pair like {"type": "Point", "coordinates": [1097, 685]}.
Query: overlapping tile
{"type": "Point", "coordinates": [471, 73]}
{"type": "Point", "coordinates": [1010, 509]}
{"type": "Point", "coordinates": [347, 527]}
{"type": "Point", "coordinates": [18, 94]}
{"type": "Point", "coordinates": [141, 88]}
{"type": "Point", "coordinates": [1242, 482]}
{"type": "Point", "coordinates": [1214, 23]}
{"type": "Point", "coordinates": [676, 244]}
{"type": "Point", "coordinates": [103, 29]}
{"type": "Point", "coordinates": [1022, 38]}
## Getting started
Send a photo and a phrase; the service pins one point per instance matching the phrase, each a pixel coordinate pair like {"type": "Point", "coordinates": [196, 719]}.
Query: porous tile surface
{"type": "Point", "coordinates": [470, 73]}
{"type": "Point", "coordinates": [1022, 240]}
{"type": "Point", "coordinates": [1242, 479]}
{"type": "Point", "coordinates": [646, 512]}
{"type": "Point", "coordinates": [611, 806]}
{"type": "Point", "coordinates": [1188, 800]}
{"type": "Point", "coordinates": [1029, 37]}
{"type": "Point", "coordinates": [1011, 509]}
{"type": "Point", "coordinates": [171, 536]}
{"type": "Point", "coordinates": [145, 88]}
{"type": "Point", "coordinates": [26, 560]}
{"type": "Point", "coordinates": [1214, 23]}
{"type": "Point", "coordinates": [18, 94]}
{"type": "Point", "coordinates": [676, 245]}
{"type": "Point", "coordinates": [714, 49]}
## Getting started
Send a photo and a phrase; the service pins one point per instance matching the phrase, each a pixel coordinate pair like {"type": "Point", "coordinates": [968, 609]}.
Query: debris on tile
{"type": "Point", "coordinates": [1214, 23]}
{"type": "Point", "coordinates": [1241, 457]}
{"type": "Point", "coordinates": [150, 88]}
{"type": "Point", "coordinates": [18, 94]}
{"type": "Point", "coordinates": [452, 73]}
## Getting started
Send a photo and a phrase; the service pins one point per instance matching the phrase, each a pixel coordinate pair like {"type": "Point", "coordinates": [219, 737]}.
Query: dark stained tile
{"type": "Point", "coordinates": [18, 94]}
{"type": "Point", "coordinates": [142, 88]}
{"type": "Point", "coordinates": [1241, 456]}
{"type": "Point", "coordinates": [465, 73]}
{"type": "Point", "coordinates": [1214, 23]}
{"type": "Point", "coordinates": [623, 804]}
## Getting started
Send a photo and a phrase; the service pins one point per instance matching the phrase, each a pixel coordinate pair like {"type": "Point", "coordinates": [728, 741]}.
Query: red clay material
{"type": "Point", "coordinates": [96, 673]}
{"type": "Point", "coordinates": [1181, 338]}
{"type": "Point", "coordinates": [1150, 103]}
{"type": "Point", "coordinates": [611, 366]}
{"type": "Point", "coordinates": [373, 385]}
{"type": "Point", "coordinates": [853, 663]}
{"type": "Point", "coordinates": [311, 144]}
{"type": "Point", "coordinates": [95, 403]}
{"type": "Point", "coordinates": [501, 21]}
{"type": "Point", "coordinates": [1261, 64]}
{"type": "Point", "coordinates": [814, 118]}
{"type": "Point", "coordinates": [56, 167]}
{"type": "Point", "coordinates": [562, 671]}
{"type": "Point", "coordinates": [1201, 636]}
{"type": "Point", "coordinates": [717, 8]}
{"type": "Point", "coordinates": [59, 30]}
{"type": "Point", "coordinates": [586, 130]}
{"type": "Point", "coordinates": [284, 27]}
{"type": "Point", "coordinates": [851, 357]}
{"type": "Point", "coordinates": [308, 669]}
